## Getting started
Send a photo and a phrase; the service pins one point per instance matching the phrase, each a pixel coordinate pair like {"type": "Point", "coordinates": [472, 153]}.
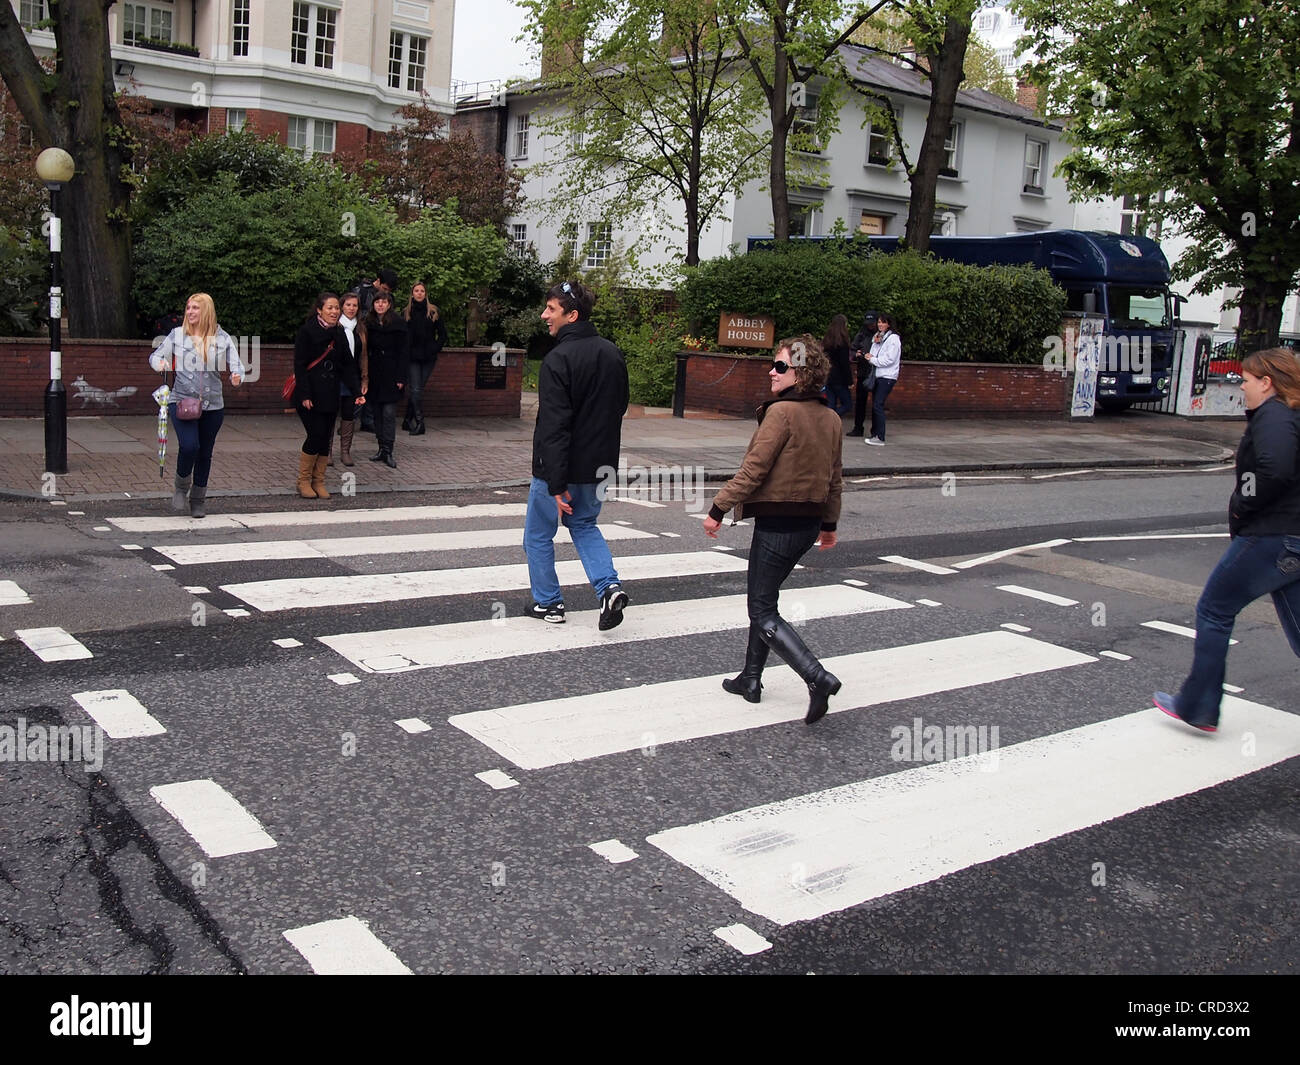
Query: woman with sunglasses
{"type": "Point", "coordinates": [789, 483]}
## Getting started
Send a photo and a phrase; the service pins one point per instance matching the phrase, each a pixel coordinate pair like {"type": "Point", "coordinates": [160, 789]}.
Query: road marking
{"type": "Point", "coordinates": [426, 646]}
{"type": "Point", "coordinates": [613, 851]}
{"type": "Point", "coordinates": [618, 497]}
{"type": "Point", "coordinates": [576, 728]}
{"type": "Point", "coordinates": [1033, 593]}
{"type": "Point", "coordinates": [293, 593]}
{"type": "Point", "coordinates": [1013, 627]}
{"type": "Point", "coordinates": [413, 725]}
{"type": "Point", "coordinates": [928, 602]}
{"type": "Point", "coordinates": [440, 512]}
{"type": "Point", "coordinates": [743, 938]}
{"type": "Point", "coordinates": [344, 678]}
{"type": "Point", "coordinates": [360, 546]}
{"type": "Point", "coordinates": [196, 589]}
{"type": "Point", "coordinates": [345, 947]}
{"type": "Point", "coordinates": [1009, 551]}
{"type": "Point", "coordinates": [12, 595]}
{"type": "Point", "coordinates": [53, 644]}
{"type": "Point", "coordinates": [1232, 688]}
{"type": "Point", "coordinates": [132, 547]}
{"type": "Point", "coordinates": [102, 528]}
{"type": "Point", "coordinates": [1177, 630]}
{"type": "Point", "coordinates": [912, 563]}
{"type": "Point", "coordinates": [1151, 536]}
{"type": "Point", "coordinates": [498, 780]}
{"type": "Point", "coordinates": [287, 641]}
{"type": "Point", "coordinates": [119, 713]}
{"type": "Point", "coordinates": [163, 567]}
{"type": "Point", "coordinates": [213, 817]}
{"type": "Point", "coordinates": [235, 612]}
{"type": "Point", "coordinates": [1116, 655]}
{"type": "Point", "coordinates": [1063, 473]}
{"type": "Point", "coordinates": [866, 840]}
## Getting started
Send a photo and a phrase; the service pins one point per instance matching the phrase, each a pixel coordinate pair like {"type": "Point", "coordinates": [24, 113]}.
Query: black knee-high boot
{"type": "Point", "coordinates": [749, 683]}
{"type": "Point", "coordinates": [821, 684]}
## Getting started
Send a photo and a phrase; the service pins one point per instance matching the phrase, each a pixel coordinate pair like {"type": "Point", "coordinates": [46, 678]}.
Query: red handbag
{"type": "Point", "coordinates": [291, 385]}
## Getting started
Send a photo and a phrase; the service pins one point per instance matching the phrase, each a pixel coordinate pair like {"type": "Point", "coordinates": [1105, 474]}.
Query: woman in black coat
{"type": "Point", "coordinates": [388, 355]}
{"type": "Point", "coordinates": [428, 336]}
{"type": "Point", "coordinates": [1264, 523]}
{"type": "Point", "coordinates": [322, 361]}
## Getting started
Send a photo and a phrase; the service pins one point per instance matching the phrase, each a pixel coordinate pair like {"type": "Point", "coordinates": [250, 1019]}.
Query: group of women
{"type": "Point", "coordinates": [877, 351]}
{"type": "Point", "coordinates": [342, 359]}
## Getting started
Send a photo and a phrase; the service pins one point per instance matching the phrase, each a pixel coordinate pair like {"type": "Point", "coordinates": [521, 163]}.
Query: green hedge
{"type": "Point", "coordinates": [946, 312]}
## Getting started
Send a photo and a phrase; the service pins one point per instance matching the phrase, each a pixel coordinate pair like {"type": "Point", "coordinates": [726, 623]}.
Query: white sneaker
{"type": "Point", "coordinates": [874, 442]}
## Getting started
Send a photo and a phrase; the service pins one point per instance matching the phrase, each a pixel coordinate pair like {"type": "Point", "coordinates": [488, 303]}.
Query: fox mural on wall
{"type": "Point", "coordinates": [88, 393]}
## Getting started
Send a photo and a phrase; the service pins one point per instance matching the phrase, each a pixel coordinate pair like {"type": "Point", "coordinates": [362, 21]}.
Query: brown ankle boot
{"type": "Point", "coordinates": [306, 464]}
{"type": "Point", "coordinates": [318, 477]}
{"type": "Point", "coordinates": [346, 431]}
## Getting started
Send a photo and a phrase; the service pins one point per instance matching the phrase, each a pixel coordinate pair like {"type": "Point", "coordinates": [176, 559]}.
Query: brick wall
{"type": "Point", "coordinates": [266, 123]}
{"type": "Point", "coordinates": [485, 124]}
{"type": "Point", "coordinates": [349, 137]}
{"type": "Point", "coordinates": [114, 366]}
{"type": "Point", "coordinates": [731, 384]}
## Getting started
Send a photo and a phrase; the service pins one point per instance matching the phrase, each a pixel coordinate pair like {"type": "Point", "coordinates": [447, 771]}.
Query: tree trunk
{"type": "Point", "coordinates": [779, 104]}
{"type": "Point", "coordinates": [1260, 321]}
{"type": "Point", "coordinates": [945, 78]}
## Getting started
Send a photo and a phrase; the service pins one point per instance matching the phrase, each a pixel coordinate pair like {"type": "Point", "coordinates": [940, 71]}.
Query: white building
{"type": "Point", "coordinates": [320, 74]}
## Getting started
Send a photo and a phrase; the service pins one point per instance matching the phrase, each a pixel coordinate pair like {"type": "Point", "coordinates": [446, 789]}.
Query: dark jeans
{"type": "Point", "coordinates": [1252, 566]}
{"type": "Point", "coordinates": [194, 442]}
{"type": "Point", "coordinates": [318, 425]}
{"type": "Point", "coordinates": [417, 377]}
{"type": "Point", "coordinates": [841, 402]}
{"type": "Point", "coordinates": [863, 394]}
{"type": "Point", "coordinates": [884, 385]}
{"type": "Point", "coordinates": [347, 408]}
{"type": "Point", "coordinates": [385, 424]}
{"type": "Point", "coordinates": [772, 556]}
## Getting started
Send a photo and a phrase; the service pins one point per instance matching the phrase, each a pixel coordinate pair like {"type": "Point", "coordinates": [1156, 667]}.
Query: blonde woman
{"type": "Point", "coordinates": [197, 351]}
{"type": "Point", "coordinates": [428, 336]}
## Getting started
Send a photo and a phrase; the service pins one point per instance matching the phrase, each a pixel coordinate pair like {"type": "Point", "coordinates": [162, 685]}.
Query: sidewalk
{"type": "Point", "coordinates": [116, 457]}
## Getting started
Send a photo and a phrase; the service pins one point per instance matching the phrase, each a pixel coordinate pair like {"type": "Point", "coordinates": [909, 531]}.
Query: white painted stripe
{"type": "Point", "coordinates": [1151, 536]}
{"type": "Point", "coordinates": [425, 646]}
{"type": "Point", "coordinates": [132, 547]}
{"type": "Point", "coordinates": [77, 513]}
{"type": "Point", "coordinates": [618, 497]}
{"type": "Point", "coordinates": [413, 725]}
{"type": "Point", "coordinates": [53, 644]}
{"type": "Point", "coordinates": [214, 817]}
{"type": "Point", "coordinates": [614, 851]}
{"type": "Point", "coordinates": [102, 528]}
{"type": "Point", "coordinates": [855, 582]}
{"type": "Point", "coordinates": [12, 595]}
{"type": "Point", "coordinates": [345, 947]}
{"type": "Point", "coordinates": [1232, 688]}
{"type": "Point", "coordinates": [743, 938]}
{"type": "Point", "coordinates": [675, 536]}
{"type": "Point", "coordinates": [928, 602]}
{"type": "Point", "coordinates": [317, 518]}
{"type": "Point", "coordinates": [287, 641]}
{"type": "Point", "coordinates": [1009, 551]}
{"type": "Point", "coordinates": [1013, 627]}
{"type": "Point", "coordinates": [360, 546]}
{"type": "Point", "coordinates": [163, 567]}
{"type": "Point", "coordinates": [537, 735]}
{"type": "Point", "coordinates": [292, 593]}
{"type": "Point", "coordinates": [872, 838]}
{"type": "Point", "coordinates": [58, 502]}
{"type": "Point", "coordinates": [119, 713]}
{"type": "Point", "coordinates": [1177, 630]}
{"type": "Point", "coordinates": [1063, 473]}
{"type": "Point", "coordinates": [497, 779]}
{"type": "Point", "coordinates": [1033, 593]}
{"type": "Point", "coordinates": [196, 589]}
{"type": "Point", "coordinates": [912, 563]}
{"type": "Point", "coordinates": [1116, 655]}
{"type": "Point", "coordinates": [344, 678]}
{"type": "Point", "coordinates": [235, 612]}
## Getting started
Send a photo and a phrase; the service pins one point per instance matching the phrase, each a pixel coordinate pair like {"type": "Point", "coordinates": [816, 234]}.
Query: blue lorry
{"type": "Point", "coordinates": [1122, 278]}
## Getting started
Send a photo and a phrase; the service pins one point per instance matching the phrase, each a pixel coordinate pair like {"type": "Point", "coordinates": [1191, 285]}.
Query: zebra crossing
{"type": "Point", "coordinates": [806, 856]}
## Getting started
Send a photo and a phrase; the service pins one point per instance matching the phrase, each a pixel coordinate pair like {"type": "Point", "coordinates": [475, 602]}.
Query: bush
{"type": "Point", "coordinates": [946, 312]}
{"type": "Point", "coordinates": [24, 284]}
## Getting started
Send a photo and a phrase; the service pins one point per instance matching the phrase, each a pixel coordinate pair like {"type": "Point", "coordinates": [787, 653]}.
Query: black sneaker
{"type": "Point", "coordinates": [613, 601]}
{"type": "Point", "coordinates": [553, 613]}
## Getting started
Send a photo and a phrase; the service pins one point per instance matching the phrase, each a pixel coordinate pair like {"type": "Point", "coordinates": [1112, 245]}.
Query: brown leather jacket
{"type": "Point", "coordinates": [792, 465]}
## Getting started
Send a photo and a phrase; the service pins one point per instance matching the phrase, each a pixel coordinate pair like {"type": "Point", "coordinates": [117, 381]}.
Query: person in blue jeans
{"type": "Point", "coordinates": [1264, 523]}
{"type": "Point", "coordinates": [582, 395]}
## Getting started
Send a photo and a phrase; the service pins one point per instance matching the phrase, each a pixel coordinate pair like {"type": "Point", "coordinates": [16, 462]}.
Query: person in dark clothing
{"type": "Point", "coordinates": [385, 281]}
{"type": "Point", "coordinates": [1264, 523]}
{"type": "Point", "coordinates": [860, 347]}
{"type": "Point", "coordinates": [387, 352]}
{"type": "Point", "coordinates": [322, 360]}
{"type": "Point", "coordinates": [428, 337]}
{"type": "Point", "coordinates": [582, 395]}
{"type": "Point", "coordinates": [836, 346]}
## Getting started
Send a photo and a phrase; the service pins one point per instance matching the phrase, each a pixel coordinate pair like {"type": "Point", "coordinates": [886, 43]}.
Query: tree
{"type": "Point", "coordinates": [983, 71]}
{"type": "Point", "coordinates": [419, 164]}
{"type": "Point", "coordinates": [1194, 107]}
{"type": "Point", "coordinates": [75, 109]}
{"type": "Point", "coordinates": [787, 43]}
{"type": "Point", "coordinates": [657, 108]}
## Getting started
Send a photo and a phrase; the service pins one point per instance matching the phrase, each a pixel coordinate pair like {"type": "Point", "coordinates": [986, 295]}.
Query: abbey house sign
{"type": "Point", "coordinates": [746, 331]}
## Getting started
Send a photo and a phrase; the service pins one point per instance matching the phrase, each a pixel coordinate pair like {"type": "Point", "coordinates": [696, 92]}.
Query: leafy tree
{"type": "Point", "coordinates": [75, 108]}
{"type": "Point", "coordinates": [983, 71]}
{"type": "Point", "coordinates": [1194, 107]}
{"type": "Point", "coordinates": [657, 108]}
{"type": "Point", "coordinates": [418, 164]}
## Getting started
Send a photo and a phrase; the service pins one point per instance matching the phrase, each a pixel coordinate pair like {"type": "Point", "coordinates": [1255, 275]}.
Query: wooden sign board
{"type": "Point", "coordinates": [746, 330]}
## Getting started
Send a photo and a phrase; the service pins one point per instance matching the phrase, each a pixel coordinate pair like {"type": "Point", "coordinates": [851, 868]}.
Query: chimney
{"type": "Point", "coordinates": [559, 49]}
{"type": "Point", "coordinates": [1027, 95]}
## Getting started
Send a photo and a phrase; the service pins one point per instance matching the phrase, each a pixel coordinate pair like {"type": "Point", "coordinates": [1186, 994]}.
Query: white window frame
{"type": "Point", "coordinates": [312, 131]}
{"type": "Point", "coordinates": [1035, 170]}
{"type": "Point", "coordinates": [241, 23]}
{"type": "Point", "coordinates": [568, 238]}
{"type": "Point", "coordinates": [233, 124]}
{"type": "Point", "coordinates": [804, 218]}
{"type": "Point", "coordinates": [952, 150]}
{"type": "Point", "coordinates": [152, 17]}
{"type": "Point", "coordinates": [883, 133]}
{"type": "Point", "coordinates": [805, 120]}
{"type": "Point", "coordinates": [519, 135]}
{"type": "Point", "coordinates": [408, 60]}
{"type": "Point", "coordinates": [27, 18]}
{"type": "Point", "coordinates": [1133, 216]}
{"type": "Point", "coordinates": [317, 47]}
{"type": "Point", "coordinates": [600, 244]}
{"type": "Point", "coordinates": [519, 237]}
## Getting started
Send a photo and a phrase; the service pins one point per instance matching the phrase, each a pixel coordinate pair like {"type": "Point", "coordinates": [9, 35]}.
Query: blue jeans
{"type": "Point", "coordinates": [880, 393]}
{"type": "Point", "coordinates": [540, 525]}
{"type": "Point", "coordinates": [840, 400]}
{"type": "Point", "coordinates": [1252, 566]}
{"type": "Point", "coordinates": [194, 442]}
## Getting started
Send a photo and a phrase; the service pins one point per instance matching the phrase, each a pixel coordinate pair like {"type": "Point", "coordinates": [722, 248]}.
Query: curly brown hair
{"type": "Point", "coordinates": [811, 366]}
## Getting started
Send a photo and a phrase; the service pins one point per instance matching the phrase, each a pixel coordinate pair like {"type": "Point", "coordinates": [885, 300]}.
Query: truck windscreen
{"type": "Point", "coordinates": [1139, 308]}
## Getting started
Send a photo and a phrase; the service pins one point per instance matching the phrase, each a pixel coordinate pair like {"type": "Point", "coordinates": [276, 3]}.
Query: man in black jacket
{"type": "Point", "coordinates": [581, 399]}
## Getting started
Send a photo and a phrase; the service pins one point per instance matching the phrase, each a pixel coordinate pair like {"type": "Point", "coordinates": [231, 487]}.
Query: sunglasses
{"type": "Point", "coordinates": [781, 366]}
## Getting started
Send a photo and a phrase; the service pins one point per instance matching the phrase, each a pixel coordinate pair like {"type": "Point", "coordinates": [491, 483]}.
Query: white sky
{"type": "Point", "coordinates": [484, 47]}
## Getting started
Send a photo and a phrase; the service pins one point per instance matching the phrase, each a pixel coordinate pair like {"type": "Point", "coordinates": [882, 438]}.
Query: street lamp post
{"type": "Point", "coordinates": [55, 167]}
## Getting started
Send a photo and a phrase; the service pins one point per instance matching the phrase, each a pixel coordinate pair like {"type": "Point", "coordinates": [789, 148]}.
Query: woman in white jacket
{"type": "Point", "coordinates": [197, 351]}
{"type": "Point", "coordinates": [886, 354]}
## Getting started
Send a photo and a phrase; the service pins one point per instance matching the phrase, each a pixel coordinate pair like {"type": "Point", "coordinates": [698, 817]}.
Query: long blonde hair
{"type": "Point", "coordinates": [207, 327]}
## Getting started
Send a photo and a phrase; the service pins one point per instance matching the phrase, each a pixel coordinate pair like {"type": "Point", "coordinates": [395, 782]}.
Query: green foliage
{"type": "Point", "coordinates": [262, 231]}
{"type": "Point", "coordinates": [946, 312]}
{"type": "Point", "coordinates": [24, 283]}
{"type": "Point", "coordinates": [512, 312]}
